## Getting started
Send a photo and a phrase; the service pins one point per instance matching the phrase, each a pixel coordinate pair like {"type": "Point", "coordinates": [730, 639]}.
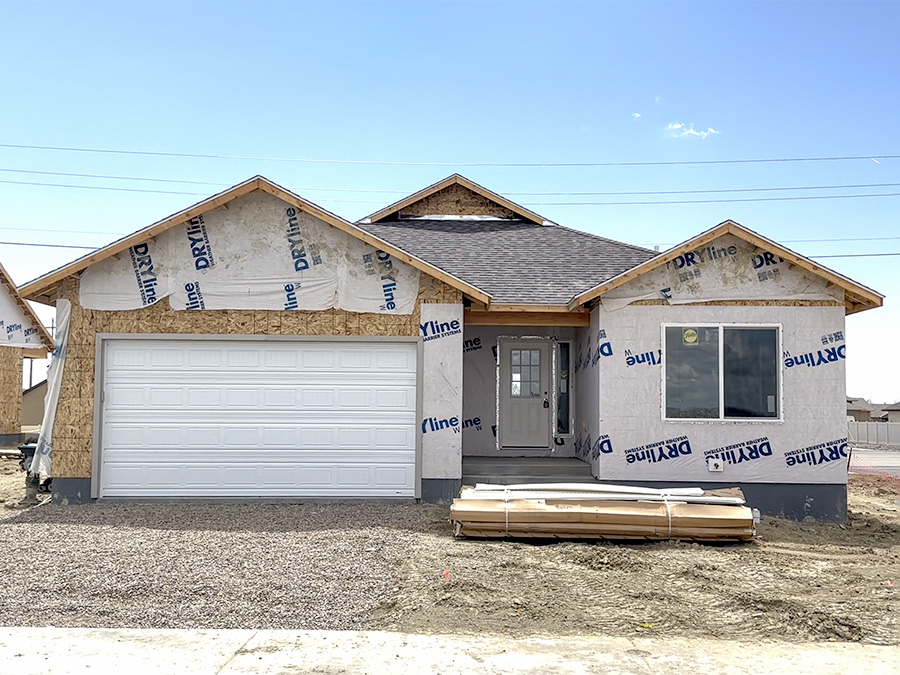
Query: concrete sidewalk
{"type": "Point", "coordinates": [63, 651]}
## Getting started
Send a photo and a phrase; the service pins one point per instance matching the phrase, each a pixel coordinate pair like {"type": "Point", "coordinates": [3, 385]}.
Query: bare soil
{"type": "Point", "coordinates": [796, 582]}
{"type": "Point", "coordinates": [398, 567]}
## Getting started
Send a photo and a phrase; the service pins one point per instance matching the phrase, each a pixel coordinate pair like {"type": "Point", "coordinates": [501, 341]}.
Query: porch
{"type": "Point", "coordinates": [510, 470]}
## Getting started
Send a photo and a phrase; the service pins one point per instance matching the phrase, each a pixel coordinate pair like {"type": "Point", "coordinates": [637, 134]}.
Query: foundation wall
{"type": "Point", "coordinates": [72, 440]}
{"type": "Point", "coordinates": [10, 391]}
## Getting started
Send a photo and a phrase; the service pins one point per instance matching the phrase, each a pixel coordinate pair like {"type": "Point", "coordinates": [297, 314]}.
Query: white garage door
{"type": "Point", "coordinates": [253, 418]}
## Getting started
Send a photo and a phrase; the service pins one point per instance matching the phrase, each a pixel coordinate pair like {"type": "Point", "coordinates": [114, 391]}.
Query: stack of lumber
{"type": "Point", "coordinates": [596, 511]}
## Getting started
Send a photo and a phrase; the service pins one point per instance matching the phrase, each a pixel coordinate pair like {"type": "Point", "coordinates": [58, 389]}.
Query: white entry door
{"type": "Point", "coordinates": [524, 394]}
{"type": "Point", "coordinates": [252, 418]}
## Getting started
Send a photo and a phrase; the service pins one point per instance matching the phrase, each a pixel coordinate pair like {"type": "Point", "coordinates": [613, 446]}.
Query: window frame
{"type": "Point", "coordinates": [722, 326]}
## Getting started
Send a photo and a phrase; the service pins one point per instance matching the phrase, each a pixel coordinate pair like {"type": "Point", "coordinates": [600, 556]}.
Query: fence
{"type": "Point", "coordinates": [885, 433]}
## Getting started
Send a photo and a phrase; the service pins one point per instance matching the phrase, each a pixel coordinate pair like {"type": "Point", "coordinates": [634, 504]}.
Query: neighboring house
{"type": "Point", "coordinates": [258, 346]}
{"type": "Point", "coordinates": [893, 412]}
{"type": "Point", "coordinates": [21, 335]}
{"type": "Point", "coordinates": [33, 405]}
{"type": "Point", "coordinates": [859, 409]}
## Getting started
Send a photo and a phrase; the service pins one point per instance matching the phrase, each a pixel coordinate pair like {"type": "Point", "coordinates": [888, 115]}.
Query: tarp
{"type": "Point", "coordinates": [43, 455]}
{"type": "Point", "coordinates": [258, 253]}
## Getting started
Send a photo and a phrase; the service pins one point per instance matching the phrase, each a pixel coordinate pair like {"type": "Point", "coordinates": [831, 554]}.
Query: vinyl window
{"type": "Point", "coordinates": [721, 372]}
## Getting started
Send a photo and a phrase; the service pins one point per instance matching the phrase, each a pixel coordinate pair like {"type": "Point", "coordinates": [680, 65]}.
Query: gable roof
{"type": "Point", "coordinates": [518, 262]}
{"type": "Point", "coordinates": [857, 298]}
{"type": "Point", "coordinates": [41, 289]}
{"type": "Point", "coordinates": [455, 179]}
{"type": "Point", "coordinates": [46, 339]}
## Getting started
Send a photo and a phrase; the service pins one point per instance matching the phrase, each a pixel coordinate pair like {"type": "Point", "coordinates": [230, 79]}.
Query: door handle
{"type": "Point", "coordinates": [546, 403]}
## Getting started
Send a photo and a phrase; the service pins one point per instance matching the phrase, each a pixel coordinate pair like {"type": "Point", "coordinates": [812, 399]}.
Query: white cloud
{"type": "Point", "coordinates": [635, 116]}
{"type": "Point", "coordinates": [681, 130]}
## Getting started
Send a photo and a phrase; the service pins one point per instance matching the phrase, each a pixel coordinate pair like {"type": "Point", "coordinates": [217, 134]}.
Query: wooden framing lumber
{"type": "Point", "coordinates": [526, 317]}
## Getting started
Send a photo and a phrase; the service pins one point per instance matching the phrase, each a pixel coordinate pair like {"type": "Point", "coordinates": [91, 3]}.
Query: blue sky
{"type": "Point", "coordinates": [460, 83]}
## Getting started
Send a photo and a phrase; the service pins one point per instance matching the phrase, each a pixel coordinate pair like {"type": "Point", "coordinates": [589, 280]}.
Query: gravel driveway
{"type": "Point", "coordinates": [315, 566]}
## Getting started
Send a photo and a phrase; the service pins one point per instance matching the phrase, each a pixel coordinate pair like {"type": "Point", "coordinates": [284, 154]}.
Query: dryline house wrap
{"type": "Point", "coordinates": [233, 258]}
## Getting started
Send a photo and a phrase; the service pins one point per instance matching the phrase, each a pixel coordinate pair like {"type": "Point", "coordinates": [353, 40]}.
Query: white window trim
{"type": "Point", "coordinates": [722, 419]}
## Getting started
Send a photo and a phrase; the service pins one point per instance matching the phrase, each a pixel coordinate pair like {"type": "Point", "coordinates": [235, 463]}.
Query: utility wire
{"type": "Point", "coordinates": [517, 194]}
{"type": "Point", "coordinates": [480, 164]}
{"type": "Point", "coordinates": [369, 201]}
{"type": "Point", "coordinates": [96, 248]}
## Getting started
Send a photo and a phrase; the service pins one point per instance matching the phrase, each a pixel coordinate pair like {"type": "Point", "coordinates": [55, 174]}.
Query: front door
{"type": "Point", "coordinates": [524, 394]}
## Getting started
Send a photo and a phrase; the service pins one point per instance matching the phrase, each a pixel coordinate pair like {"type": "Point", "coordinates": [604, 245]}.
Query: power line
{"type": "Point", "coordinates": [201, 182]}
{"type": "Point", "coordinates": [25, 243]}
{"type": "Point", "coordinates": [517, 194]}
{"type": "Point", "coordinates": [96, 248]}
{"type": "Point", "coordinates": [308, 160]}
{"type": "Point", "coordinates": [369, 201]}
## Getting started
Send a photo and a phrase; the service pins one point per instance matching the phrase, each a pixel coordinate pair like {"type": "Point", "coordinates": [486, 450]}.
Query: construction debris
{"type": "Point", "coordinates": [597, 511]}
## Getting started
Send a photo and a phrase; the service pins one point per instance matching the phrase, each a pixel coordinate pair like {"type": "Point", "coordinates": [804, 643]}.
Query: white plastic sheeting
{"type": "Point", "coordinates": [16, 327]}
{"type": "Point", "coordinates": [43, 455]}
{"type": "Point", "coordinates": [257, 253]}
{"type": "Point", "coordinates": [727, 269]}
{"type": "Point", "coordinates": [441, 329]}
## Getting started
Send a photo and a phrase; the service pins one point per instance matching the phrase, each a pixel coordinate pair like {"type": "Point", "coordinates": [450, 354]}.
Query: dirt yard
{"type": "Point", "coordinates": [397, 567]}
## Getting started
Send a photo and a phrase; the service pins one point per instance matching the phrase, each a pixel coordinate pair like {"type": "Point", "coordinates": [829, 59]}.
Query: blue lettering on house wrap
{"type": "Point", "coordinates": [817, 358]}
{"type": "Point", "coordinates": [815, 455]}
{"type": "Point", "coordinates": [194, 296]}
{"type": "Point", "coordinates": [201, 251]}
{"type": "Point", "coordinates": [144, 273]}
{"type": "Point", "coordinates": [388, 280]}
{"type": "Point", "coordinates": [764, 259]}
{"type": "Point", "coordinates": [603, 445]}
{"type": "Point", "coordinates": [701, 255]}
{"type": "Point", "coordinates": [603, 349]}
{"type": "Point", "coordinates": [435, 424]}
{"type": "Point", "coordinates": [13, 327]}
{"type": "Point", "coordinates": [659, 451]}
{"type": "Point", "coordinates": [472, 345]}
{"type": "Point", "coordinates": [434, 330]}
{"type": "Point", "coordinates": [290, 294]}
{"type": "Point", "coordinates": [650, 358]}
{"type": "Point", "coordinates": [30, 331]}
{"type": "Point", "coordinates": [295, 239]}
{"type": "Point", "coordinates": [738, 453]}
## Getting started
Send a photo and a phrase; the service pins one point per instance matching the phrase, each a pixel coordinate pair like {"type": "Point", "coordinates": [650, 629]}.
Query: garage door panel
{"type": "Point", "coordinates": [257, 419]}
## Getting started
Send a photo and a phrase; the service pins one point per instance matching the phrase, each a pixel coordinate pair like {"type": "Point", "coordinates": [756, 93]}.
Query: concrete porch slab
{"type": "Point", "coordinates": [511, 470]}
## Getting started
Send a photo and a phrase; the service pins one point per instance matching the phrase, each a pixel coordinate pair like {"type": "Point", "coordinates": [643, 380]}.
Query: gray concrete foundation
{"type": "Point", "coordinates": [440, 490]}
{"type": "Point", "coordinates": [791, 501]}
{"type": "Point", "coordinates": [71, 491]}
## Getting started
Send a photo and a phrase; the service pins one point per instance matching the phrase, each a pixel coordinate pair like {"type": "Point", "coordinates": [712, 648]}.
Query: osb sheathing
{"type": "Point", "coordinates": [10, 390]}
{"type": "Point", "coordinates": [456, 200]}
{"type": "Point", "coordinates": [72, 433]}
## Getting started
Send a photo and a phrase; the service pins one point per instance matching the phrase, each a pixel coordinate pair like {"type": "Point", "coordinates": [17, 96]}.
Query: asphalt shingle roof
{"type": "Point", "coordinates": [517, 262]}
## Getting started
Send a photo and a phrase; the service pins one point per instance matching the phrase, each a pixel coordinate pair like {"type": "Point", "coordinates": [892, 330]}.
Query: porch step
{"type": "Point", "coordinates": [512, 470]}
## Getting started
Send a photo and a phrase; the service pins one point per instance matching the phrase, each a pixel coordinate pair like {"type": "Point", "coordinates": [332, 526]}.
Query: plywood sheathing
{"type": "Point", "coordinates": [10, 390]}
{"type": "Point", "coordinates": [72, 439]}
{"type": "Point", "coordinates": [456, 200]}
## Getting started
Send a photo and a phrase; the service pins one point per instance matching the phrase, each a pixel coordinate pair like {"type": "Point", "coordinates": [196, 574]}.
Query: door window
{"type": "Point", "coordinates": [525, 373]}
